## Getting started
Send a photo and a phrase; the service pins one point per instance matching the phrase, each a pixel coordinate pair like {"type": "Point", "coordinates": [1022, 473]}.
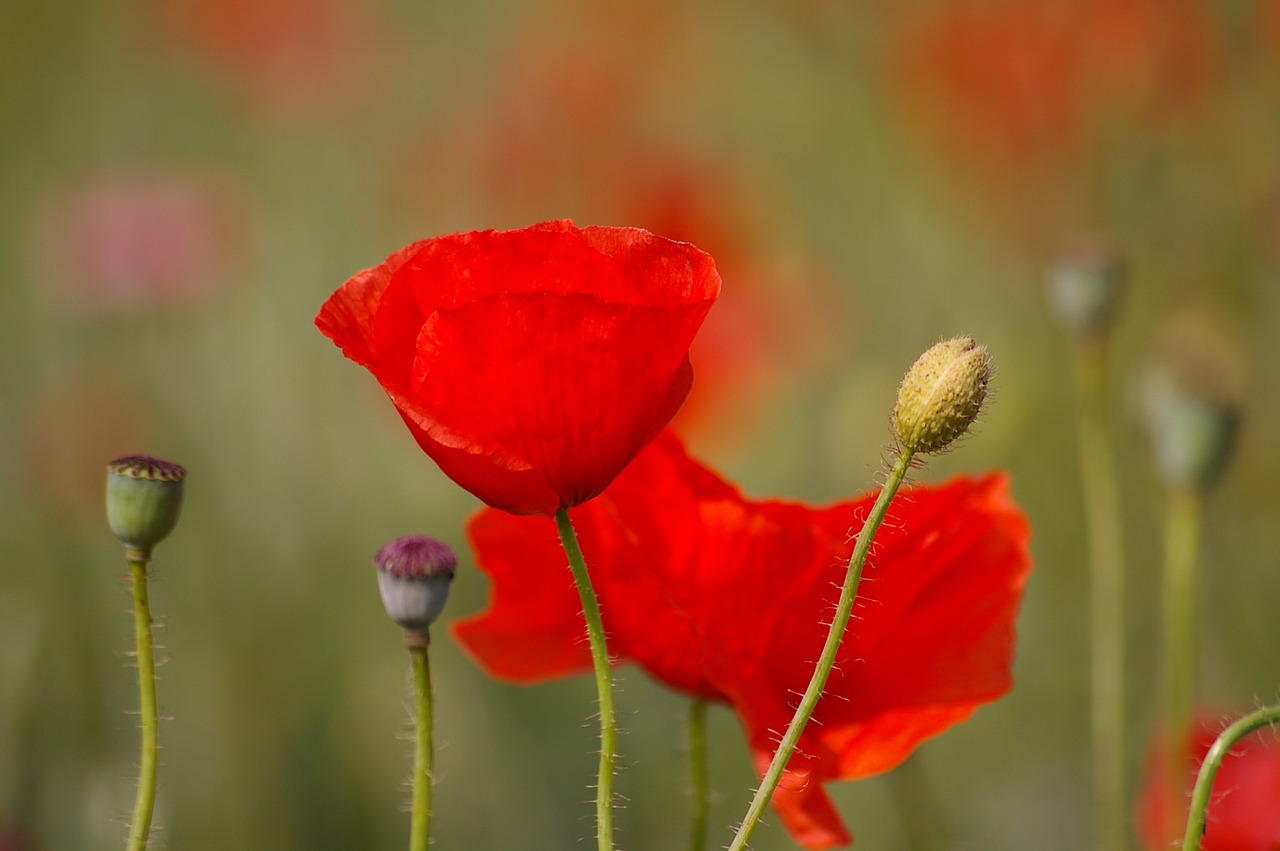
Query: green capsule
{"type": "Point", "coordinates": [144, 499]}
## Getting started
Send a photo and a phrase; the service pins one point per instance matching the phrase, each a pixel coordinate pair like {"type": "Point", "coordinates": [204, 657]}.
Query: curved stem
{"type": "Point", "coordinates": [1182, 535]}
{"type": "Point", "coordinates": [144, 804]}
{"type": "Point", "coordinates": [420, 824]}
{"type": "Point", "coordinates": [1106, 603]}
{"type": "Point", "coordinates": [698, 782]}
{"type": "Point", "coordinates": [604, 679]}
{"type": "Point", "coordinates": [1212, 760]}
{"type": "Point", "coordinates": [844, 608]}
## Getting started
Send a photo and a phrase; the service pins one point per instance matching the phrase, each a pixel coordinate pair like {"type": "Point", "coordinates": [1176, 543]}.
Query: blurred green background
{"type": "Point", "coordinates": [183, 183]}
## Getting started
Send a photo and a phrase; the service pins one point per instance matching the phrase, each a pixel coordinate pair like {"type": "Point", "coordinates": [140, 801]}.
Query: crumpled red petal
{"type": "Point", "coordinates": [723, 597]}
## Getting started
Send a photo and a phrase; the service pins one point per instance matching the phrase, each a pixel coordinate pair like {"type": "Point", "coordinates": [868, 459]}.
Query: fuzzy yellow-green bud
{"type": "Point", "coordinates": [941, 395]}
{"type": "Point", "coordinates": [144, 499]}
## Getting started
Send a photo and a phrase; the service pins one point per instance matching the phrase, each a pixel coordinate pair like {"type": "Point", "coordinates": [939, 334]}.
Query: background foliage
{"type": "Point", "coordinates": [183, 183]}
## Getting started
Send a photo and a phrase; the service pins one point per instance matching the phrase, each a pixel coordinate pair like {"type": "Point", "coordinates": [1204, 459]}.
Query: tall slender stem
{"type": "Point", "coordinates": [1182, 536]}
{"type": "Point", "coordinates": [1209, 768]}
{"type": "Point", "coordinates": [423, 775]}
{"type": "Point", "coordinates": [144, 654]}
{"type": "Point", "coordinates": [699, 784]}
{"type": "Point", "coordinates": [1106, 603]}
{"type": "Point", "coordinates": [604, 680]}
{"type": "Point", "coordinates": [844, 608]}
{"type": "Point", "coordinates": [916, 803]}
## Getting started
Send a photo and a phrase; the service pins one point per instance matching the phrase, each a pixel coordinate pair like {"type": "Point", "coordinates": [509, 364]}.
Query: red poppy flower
{"type": "Point", "coordinates": [531, 365]}
{"type": "Point", "coordinates": [725, 598]}
{"type": "Point", "coordinates": [1244, 807]}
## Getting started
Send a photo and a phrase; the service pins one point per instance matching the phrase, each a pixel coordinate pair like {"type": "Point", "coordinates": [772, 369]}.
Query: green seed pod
{"type": "Point", "coordinates": [1084, 286]}
{"type": "Point", "coordinates": [941, 395]}
{"type": "Point", "coordinates": [414, 573]}
{"type": "Point", "coordinates": [1190, 405]}
{"type": "Point", "coordinates": [144, 499]}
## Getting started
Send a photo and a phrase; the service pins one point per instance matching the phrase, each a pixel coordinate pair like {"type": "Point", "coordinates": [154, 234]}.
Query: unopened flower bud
{"type": "Point", "coordinates": [414, 573]}
{"type": "Point", "coordinates": [144, 499]}
{"type": "Point", "coordinates": [1084, 285]}
{"type": "Point", "coordinates": [1190, 405]}
{"type": "Point", "coordinates": [941, 395]}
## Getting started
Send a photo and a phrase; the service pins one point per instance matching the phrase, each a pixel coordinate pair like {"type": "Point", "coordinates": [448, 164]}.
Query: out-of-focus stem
{"type": "Point", "coordinates": [1182, 540]}
{"type": "Point", "coordinates": [698, 783]}
{"type": "Point", "coordinates": [1106, 600]}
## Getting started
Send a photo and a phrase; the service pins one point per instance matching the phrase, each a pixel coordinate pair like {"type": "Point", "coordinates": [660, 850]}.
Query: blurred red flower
{"type": "Point", "coordinates": [1244, 807]}
{"type": "Point", "coordinates": [1020, 82]}
{"type": "Point", "coordinates": [283, 55]}
{"type": "Point", "coordinates": [725, 598]}
{"type": "Point", "coordinates": [533, 364]}
{"type": "Point", "coordinates": [125, 240]}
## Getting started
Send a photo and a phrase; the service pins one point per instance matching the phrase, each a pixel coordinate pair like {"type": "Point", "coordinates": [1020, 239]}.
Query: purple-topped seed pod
{"type": "Point", "coordinates": [144, 499]}
{"type": "Point", "coordinates": [414, 573]}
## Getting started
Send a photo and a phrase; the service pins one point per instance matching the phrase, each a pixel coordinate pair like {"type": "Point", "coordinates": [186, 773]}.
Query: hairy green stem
{"type": "Point", "coordinates": [699, 785]}
{"type": "Point", "coordinates": [1106, 603]}
{"type": "Point", "coordinates": [420, 822]}
{"type": "Point", "coordinates": [844, 609]}
{"type": "Point", "coordinates": [1209, 768]}
{"type": "Point", "coordinates": [604, 680]}
{"type": "Point", "coordinates": [1182, 536]}
{"type": "Point", "coordinates": [144, 654]}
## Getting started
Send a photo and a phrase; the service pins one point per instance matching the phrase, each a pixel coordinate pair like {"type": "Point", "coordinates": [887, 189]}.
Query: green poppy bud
{"type": "Point", "coordinates": [941, 395]}
{"type": "Point", "coordinates": [414, 573]}
{"type": "Point", "coordinates": [144, 499]}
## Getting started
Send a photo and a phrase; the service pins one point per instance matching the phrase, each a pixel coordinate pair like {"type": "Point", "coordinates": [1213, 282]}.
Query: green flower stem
{"type": "Point", "coordinates": [916, 803]}
{"type": "Point", "coordinates": [844, 609]}
{"type": "Point", "coordinates": [144, 805]}
{"type": "Point", "coordinates": [1209, 768]}
{"type": "Point", "coordinates": [420, 823]}
{"type": "Point", "coordinates": [604, 680]}
{"type": "Point", "coordinates": [698, 782]}
{"type": "Point", "coordinates": [1182, 537]}
{"type": "Point", "coordinates": [1106, 604]}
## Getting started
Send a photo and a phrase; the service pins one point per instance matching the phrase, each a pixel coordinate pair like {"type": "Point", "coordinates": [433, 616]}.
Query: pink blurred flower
{"type": "Point", "coordinates": [129, 240]}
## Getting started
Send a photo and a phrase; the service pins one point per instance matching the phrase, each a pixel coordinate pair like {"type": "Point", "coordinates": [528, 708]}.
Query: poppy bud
{"type": "Point", "coordinates": [144, 499]}
{"type": "Point", "coordinates": [941, 395]}
{"type": "Point", "coordinates": [414, 573]}
{"type": "Point", "coordinates": [1190, 405]}
{"type": "Point", "coordinates": [1084, 285]}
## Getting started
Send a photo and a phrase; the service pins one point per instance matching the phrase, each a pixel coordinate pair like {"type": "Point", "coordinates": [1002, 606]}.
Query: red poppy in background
{"type": "Point", "coordinates": [1244, 807]}
{"type": "Point", "coordinates": [725, 598]}
{"type": "Point", "coordinates": [533, 364]}
{"type": "Point", "coordinates": [1023, 82]}
{"type": "Point", "coordinates": [284, 56]}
